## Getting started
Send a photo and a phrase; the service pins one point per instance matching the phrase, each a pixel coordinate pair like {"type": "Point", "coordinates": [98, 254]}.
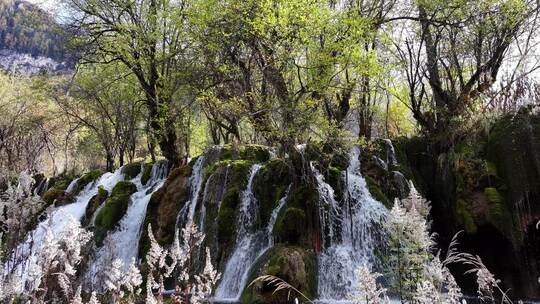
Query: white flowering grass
{"type": "Point", "coordinates": [176, 262]}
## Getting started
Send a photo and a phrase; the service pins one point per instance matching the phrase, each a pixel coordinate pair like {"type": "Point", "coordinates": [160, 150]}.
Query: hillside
{"type": "Point", "coordinates": [25, 28]}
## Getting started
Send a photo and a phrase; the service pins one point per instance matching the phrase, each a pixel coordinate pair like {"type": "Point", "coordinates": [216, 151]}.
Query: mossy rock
{"type": "Point", "coordinates": [290, 226]}
{"type": "Point", "coordinates": [57, 197]}
{"type": "Point", "coordinates": [256, 153]}
{"type": "Point", "coordinates": [465, 217]}
{"type": "Point", "coordinates": [498, 213]}
{"type": "Point", "coordinates": [147, 173]}
{"type": "Point", "coordinates": [115, 207]}
{"type": "Point", "coordinates": [239, 167]}
{"type": "Point", "coordinates": [377, 193]}
{"type": "Point", "coordinates": [88, 178]}
{"type": "Point", "coordinates": [94, 204]}
{"type": "Point", "coordinates": [131, 171]}
{"type": "Point", "coordinates": [295, 265]}
{"type": "Point", "coordinates": [50, 196]}
{"type": "Point", "coordinates": [334, 177]}
{"type": "Point", "coordinates": [270, 186]}
{"type": "Point", "coordinates": [60, 182]}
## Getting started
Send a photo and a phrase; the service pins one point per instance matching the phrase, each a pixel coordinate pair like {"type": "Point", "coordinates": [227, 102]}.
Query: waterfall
{"type": "Point", "coordinates": [251, 243]}
{"type": "Point", "coordinates": [72, 185]}
{"type": "Point", "coordinates": [123, 243]}
{"type": "Point", "coordinates": [187, 213]}
{"type": "Point", "coordinates": [359, 220]}
{"type": "Point", "coordinates": [391, 158]}
{"type": "Point", "coordinates": [58, 220]}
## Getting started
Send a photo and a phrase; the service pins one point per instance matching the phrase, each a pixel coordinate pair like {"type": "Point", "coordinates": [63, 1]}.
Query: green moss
{"type": "Point", "coordinates": [493, 195]}
{"type": "Point", "coordinates": [239, 167]}
{"type": "Point", "coordinates": [295, 265]}
{"type": "Point", "coordinates": [60, 182]}
{"type": "Point", "coordinates": [147, 173]}
{"type": "Point", "coordinates": [465, 217]}
{"type": "Point", "coordinates": [131, 171]}
{"type": "Point", "coordinates": [377, 193]}
{"type": "Point", "coordinates": [498, 213]}
{"type": "Point", "coordinates": [334, 177]}
{"type": "Point", "coordinates": [58, 197]}
{"type": "Point", "coordinates": [50, 196]}
{"type": "Point", "coordinates": [227, 152]}
{"type": "Point", "coordinates": [115, 206]}
{"type": "Point", "coordinates": [270, 186]}
{"type": "Point", "coordinates": [94, 204]}
{"type": "Point", "coordinates": [226, 218]}
{"type": "Point", "coordinates": [290, 226]}
{"type": "Point", "coordinates": [88, 178]}
{"type": "Point", "coordinates": [256, 153]}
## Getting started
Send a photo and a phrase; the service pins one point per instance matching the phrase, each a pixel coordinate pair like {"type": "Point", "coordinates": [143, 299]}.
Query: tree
{"type": "Point", "coordinates": [456, 57]}
{"type": "Point", "coordinates": [107, 101]}
{"type": "Point", "coordinates": [148, 37]}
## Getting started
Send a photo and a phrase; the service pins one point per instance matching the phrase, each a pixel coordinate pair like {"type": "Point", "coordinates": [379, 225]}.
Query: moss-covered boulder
{"type": "Point", "coordinates": [131, 171]}
{"type": "Point", "coordinates": [226, 218]}
{"type": "Point", "coordinates": [57, 191]}
{"type": "Point", "coordinates": [270, 185]}
{"type": "Point", "coordinates": [60, 182]}
{"type": "Point", "coordinates": [147, 173]}
{"type": "Point", "coordinates": [93, 205]}
{"type": "Point", "coordinates": [114, 209]}
{"type": "Point", "coordinates": [290, 226]}
{"type": "Point", "coordinates": [255, 153]}
{"type": "Point", "coordinates": [56, 195]}
{"type": "Point", "coordinates": [88, 178]}
{"type": "Point", "coordinates": [295, 265]}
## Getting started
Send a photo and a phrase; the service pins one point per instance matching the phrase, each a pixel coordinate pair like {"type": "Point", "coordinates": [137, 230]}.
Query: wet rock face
{"type": "Point", "coordinates": [163, 207]}
{"type": "Point", "coordinates": [489, 186]}
{"type": "Point", "coordinates": [114, 209]}
{"type": "Point", "coordinates": [94, 204]}
{"type": "Point", "coordinates": [295, 265]}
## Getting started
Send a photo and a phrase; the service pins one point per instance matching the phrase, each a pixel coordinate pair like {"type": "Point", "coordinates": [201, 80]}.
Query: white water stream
{"type": "Point", "coordinates": [360, 219]}
{"type": "Point", "coordinates": [251, 243]}
{"type": "Point", "coordinates": [123, 243]}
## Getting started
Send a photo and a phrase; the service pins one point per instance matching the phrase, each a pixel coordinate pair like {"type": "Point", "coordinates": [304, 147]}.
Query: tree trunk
{"type": "Point", "coordinates": [110, 162]}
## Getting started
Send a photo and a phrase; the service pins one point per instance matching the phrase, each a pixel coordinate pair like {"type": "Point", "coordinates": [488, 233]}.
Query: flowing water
{"type": "Point", "coordinates": [58, 220]}
{"type": "Point", "coordinates": [353, 244]}
{"type": "Point", "coordinates": [187, 213]}
{"type": "Point", "coordinates": [123, 243]}
{"type": "Point", "coordinates": [251, 243]}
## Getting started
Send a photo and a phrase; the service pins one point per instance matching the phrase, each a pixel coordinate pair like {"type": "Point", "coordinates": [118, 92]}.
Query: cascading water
{"type": "Point", "coordinates": [123, 243]}
{"type": "Point", "coordinates": [251, 243]}
{"type": "Point", "coordinates": [359, 220]}
{"type": "Point", "coordinates": [59, 219]}
{"type": "Point", "coordinates": [72, 185]}
{"type": "Point", "coordinates": [187, 213]}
